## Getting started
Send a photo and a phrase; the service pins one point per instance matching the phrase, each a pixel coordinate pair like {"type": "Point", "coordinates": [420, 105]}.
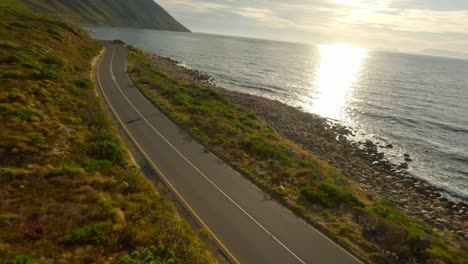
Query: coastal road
{"type": "Point", "coordinates": [248, 225]}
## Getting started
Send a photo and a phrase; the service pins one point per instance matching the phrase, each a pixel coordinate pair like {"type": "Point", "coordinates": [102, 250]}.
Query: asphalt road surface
{"type": "Point", "coordinates": [247, 224]}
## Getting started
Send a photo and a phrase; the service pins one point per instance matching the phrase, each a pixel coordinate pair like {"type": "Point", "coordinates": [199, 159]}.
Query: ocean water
{"type": "Point", "coordinates": [419, 104]}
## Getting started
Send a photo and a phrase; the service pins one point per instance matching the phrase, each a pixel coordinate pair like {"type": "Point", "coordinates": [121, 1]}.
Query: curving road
{"type": "Point", "coordinates": [246, 223]}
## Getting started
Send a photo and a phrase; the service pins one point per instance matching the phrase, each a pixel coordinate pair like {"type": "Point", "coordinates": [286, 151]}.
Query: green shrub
{"type": "Point", "coordinates": [247, 121]}
{"type": "Point", "coordinates": [99, 165]}
{"type": "Point", "coordinates": [107, 150]}
{"type": "Point", "coordinates": [415, 229]}
{"type": "Point", "coordinates": [54, 32]}
{"type": "Point", "coordinates": [330, 195]}
{"type": "Point", "coordinates": [74, 120]}
{"type": "Point", "coordinates": [15, 75]}
{"type": "Point", "coordinates": [47, 73]}
{"type": "Point", "coordinates": [8, 44]}
{"type": "Point", "coordinates": [441, 252]}
{"type": "Point", "coordinates": [36, 137]}
{"type": "Point", "coordinates": [52, 60]}
{"type": "Point", "coordinates": [84, 83]}
{"type": "Point", "coordinates": [13, 95]}
{"type": "Point", "coordinates": [12, 59]}
{"type": "Point", "coordinates": [74, 89]}
{"type": "Point", "coordinates": [94, 233]}
{"type": "Point", "coordinates": [261, 148]}
{"type": "Point", "coordinates": [153, 254]}
{"type": "Point", "coordinates": [30, 63]}
{"type": "Point", "coordinates": [21, 25]}
{"type": "Point", "coordinates": [299, 209]}
{"type": "Point", "coordinates": [23, 114]}
{"type": "Point", "coordinates": [391, 236]}
{"type": "Point", "coordinates": [182, 100]}
{"type": "Point", "coordinates": [18, 259]}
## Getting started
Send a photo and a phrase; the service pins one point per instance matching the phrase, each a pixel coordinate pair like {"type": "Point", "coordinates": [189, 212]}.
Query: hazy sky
{"type": "Point", "coordinates": [407, 25]}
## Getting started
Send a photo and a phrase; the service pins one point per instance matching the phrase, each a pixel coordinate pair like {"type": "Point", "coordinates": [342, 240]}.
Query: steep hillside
{"type": "Point", "coordinates": [136, 13]}
{"type": "Point", "coordinates": [68, 192]}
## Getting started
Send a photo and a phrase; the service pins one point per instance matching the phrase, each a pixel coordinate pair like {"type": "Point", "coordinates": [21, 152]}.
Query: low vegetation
{"type": "Point", "coordinates": [311, 187]}
{"type": "Point", "coordinates": [136, 13]}
{"type": "Point", "coordinates": [69, 193]}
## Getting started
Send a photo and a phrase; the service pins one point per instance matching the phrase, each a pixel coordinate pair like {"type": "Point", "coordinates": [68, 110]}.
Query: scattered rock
{"type": "Point", "coordinates": [440, 210]}
{"type": "Point", "coordinates": [443, 199]}
{"type": "Point", "coordinates": [403, 165]}
{"type": "Point", "coordinates": [450, 204]}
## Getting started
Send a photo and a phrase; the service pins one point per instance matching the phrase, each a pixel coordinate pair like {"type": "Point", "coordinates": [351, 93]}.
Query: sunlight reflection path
{"type": "Point", "coordinates": [339, 69]}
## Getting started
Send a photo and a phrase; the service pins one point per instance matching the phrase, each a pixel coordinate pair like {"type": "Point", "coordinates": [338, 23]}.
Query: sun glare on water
{"type": "Point", "coordinates": [335, 78]}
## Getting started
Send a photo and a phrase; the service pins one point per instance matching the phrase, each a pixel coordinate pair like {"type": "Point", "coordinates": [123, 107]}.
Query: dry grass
{"type": "Point", "coordinates": [68, 191]}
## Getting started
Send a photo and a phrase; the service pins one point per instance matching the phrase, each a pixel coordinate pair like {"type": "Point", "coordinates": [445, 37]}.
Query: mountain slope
{"type": "Point", "coordinates": [136, 13]}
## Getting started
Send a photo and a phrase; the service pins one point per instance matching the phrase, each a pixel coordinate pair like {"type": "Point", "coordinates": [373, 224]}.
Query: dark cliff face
{"type": "Point", "coordinates": [136, 13]}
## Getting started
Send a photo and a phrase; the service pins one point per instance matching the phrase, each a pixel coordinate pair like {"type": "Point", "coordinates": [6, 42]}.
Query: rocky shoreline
{"type": "Point", "coordinates": [362, 163]}
{"type": "Point", "coordinates": [370, 172]}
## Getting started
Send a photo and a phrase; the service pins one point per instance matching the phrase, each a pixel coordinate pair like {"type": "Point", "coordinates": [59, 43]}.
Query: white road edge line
{"type": "Point", "coordinates": [193, 166]}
